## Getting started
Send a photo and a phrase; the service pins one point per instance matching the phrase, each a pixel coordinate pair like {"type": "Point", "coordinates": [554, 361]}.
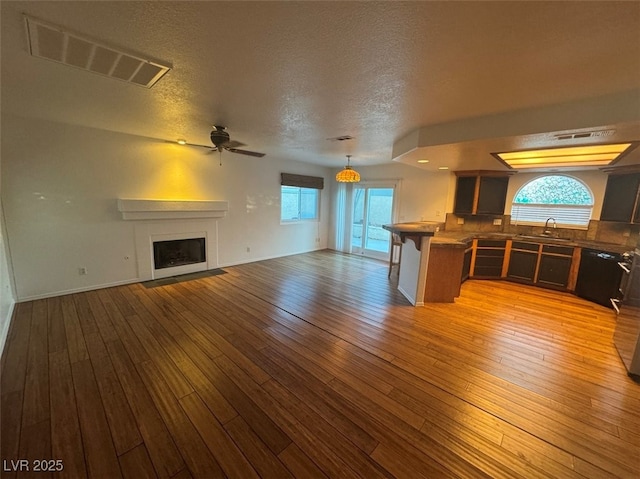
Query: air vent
{"type": "Point", "coordinates": [341, 138]}
{"type": "Point", "coordinates": [52, 42]}
{"type": "Point", "coordinates": [588, 134]}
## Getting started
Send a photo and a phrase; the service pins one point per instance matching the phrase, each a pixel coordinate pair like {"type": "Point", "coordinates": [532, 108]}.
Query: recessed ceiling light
{"type": "Point", "coordinates": [574, 156]}
{"type": "Point", "coordinates": [181, 141]}
{"type": "Point", "coordinates": [443, 167]}
{"type": "Point", "coordinates": [423, 161]}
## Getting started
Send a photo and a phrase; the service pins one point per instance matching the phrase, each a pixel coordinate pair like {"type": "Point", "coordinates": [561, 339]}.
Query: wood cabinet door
{"type": "Point", "coordinates": [620, 198]}
{"type": "Point", "coordinates": [554, 271]}
{"type": "Point", "coordinates": [492, 195]}
{"type": "Point", "coordinates": [465, 194]}
{"type": "Point", "coordinates": [522, 265]}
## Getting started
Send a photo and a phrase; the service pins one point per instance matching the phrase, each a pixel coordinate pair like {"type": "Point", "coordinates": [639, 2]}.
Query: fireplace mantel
{"type": "Point", "coordinates": [139, 209]}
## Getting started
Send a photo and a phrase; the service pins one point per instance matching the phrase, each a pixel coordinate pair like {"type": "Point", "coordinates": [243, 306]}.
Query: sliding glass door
{"type": "Point", "coordinates": [372, 208]}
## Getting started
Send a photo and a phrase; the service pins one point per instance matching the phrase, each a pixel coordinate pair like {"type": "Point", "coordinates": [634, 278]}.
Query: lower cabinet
{"type": "Point", "coordinates": [466, 262]}
{"type": "Point", "coordinates": [540, 264]}
{"type": "Point", "coordinates": [523, 261]}
{"type": "Point", "coordinates": [444, 270]}
{"type": "Point", "coordinates": [489, 258]}
{"type": "Point", "coordinates": [555, 268]}
{"type": "Point", "coordinates": [522, 266]}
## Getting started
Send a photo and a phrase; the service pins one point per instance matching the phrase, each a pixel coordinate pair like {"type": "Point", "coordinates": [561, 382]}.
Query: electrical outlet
{"type": "Point", "coordinates": [82, 271]}
{"type": "Point", "coordinates": [460, 221]}
{"type": "Point", "coordinates": [438, 213]}
{"type": "Point", "coordinates": [248, 249]}
{"type": "Point", "coordinates": [497, 221]}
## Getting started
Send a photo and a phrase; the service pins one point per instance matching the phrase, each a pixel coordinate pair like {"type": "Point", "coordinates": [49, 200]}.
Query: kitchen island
{"type": "Point", "coordinates": [424, 270]}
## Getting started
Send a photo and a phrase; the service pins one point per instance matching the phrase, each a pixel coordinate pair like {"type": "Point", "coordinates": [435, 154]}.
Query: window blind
{"type": "Point", "coordinates": [565, 215]}
{"type": "Point", "coordinates": [302, 181]}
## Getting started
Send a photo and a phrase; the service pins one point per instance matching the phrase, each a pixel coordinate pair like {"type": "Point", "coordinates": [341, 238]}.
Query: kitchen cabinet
{"type": "Point", "coordinates": [466, 261]}
{"type": "Point", "coordinates": [554, 270]}
{"type": "Point", "coordinates": [481, 192]}
{"type": "Point", "coordinates": [523, 261]}
{"type": "Point", "coordinates": [444, 269]}
{"type": "Point", "coordinates": [632, 289]}
{"type": "Point", "coordinates": [541, 264]}
{"type": "Point", "coordinates": [621, 198]}
{"type": "Point", "coordinates": [492, 195]}
{"type": "Point", "coordinates": [489, 258]}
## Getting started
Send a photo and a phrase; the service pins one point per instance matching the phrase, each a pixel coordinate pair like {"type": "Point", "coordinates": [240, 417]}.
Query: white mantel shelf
{"type": "Point", "coordinates": [139, 209]}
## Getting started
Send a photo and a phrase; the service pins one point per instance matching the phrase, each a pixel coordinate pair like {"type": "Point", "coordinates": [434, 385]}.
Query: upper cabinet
{"type": "Point", "coordinates": [481, 192]}
{"type": "Point", "coordinates": [621, 198]}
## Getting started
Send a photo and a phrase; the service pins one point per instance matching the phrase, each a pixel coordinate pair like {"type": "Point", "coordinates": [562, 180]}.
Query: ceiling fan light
{"type": "Point", "coordinates": [348, 174]}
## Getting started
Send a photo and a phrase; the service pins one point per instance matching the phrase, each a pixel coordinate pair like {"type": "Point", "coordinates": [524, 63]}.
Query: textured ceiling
{"type": "Point", "coordinates": [285, 76]}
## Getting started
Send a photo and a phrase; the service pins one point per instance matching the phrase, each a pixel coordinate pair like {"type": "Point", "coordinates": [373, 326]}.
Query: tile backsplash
{"type": "Point", "coordinates": [605, 231]}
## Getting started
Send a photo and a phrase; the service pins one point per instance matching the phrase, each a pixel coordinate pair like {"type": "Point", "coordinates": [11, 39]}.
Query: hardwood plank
{"type": "Point", "coordinates": [66, 438]}
{"type": "Point", "coordinates": [199, 460]}
{"type": "Point", "coordinates": [75, 340]}
{"type": "Point", "coordinates": [299, 463]}
{"type": "Point", "coordinates": [267, 465]}
{"type": "Point", "coordinates": [16, 350]}
{"type": "Point", "coordinates": [35, 444]}
{"type": "Point", "coordinates": [136, 464]}
{"type": "Point", "coordinates": [56, 331]}
{"type": "Point", "coordinates": [166, 459]}
{"type": "Point", "coordinates": [99, 451]}
{"type": "Point", "coordinates": [122, 328]}
{"type": "Point", "coordinates": [10, 419]}
{"type": "Point", "coordinates": [232, 461]}
{"type": "Point", "coordinates": [35, 408]}
{"type": "Point", "coordinates": [123, 427]}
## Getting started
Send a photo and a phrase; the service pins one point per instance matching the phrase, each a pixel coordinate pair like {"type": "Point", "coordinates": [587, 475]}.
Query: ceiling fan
{"type": "Point", "coordinates": [221, 140]}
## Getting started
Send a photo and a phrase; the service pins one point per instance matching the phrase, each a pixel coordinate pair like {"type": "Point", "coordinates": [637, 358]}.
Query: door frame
{"type": "Point", "coordinates": [389, 184]}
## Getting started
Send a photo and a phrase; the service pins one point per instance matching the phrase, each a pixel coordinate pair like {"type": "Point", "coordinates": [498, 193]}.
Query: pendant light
{"type": "Point", "coordinates": [348, 174]}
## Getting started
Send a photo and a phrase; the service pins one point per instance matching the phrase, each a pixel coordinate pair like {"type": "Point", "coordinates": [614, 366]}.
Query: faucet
{"type": "Point", "coordinates": [546, 226]}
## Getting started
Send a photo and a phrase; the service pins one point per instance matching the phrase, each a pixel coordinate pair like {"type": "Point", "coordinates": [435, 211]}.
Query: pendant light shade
{"type": "Point", "coordinates": [348, 174]}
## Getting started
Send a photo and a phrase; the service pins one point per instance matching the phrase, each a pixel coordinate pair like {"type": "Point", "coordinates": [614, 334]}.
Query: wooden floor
{"type": "Point", "coordinates": [315, 366]}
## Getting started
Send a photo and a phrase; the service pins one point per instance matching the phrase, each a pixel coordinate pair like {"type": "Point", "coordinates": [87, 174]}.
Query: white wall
{"type": "Point", "coordinates": [420, 195]}
{"type": "Point", "coordinates": [60, 184]}
{"type": "Point", "coordinates": [6, 289]}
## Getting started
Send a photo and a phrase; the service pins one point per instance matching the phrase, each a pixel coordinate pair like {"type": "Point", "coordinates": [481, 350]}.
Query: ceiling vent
{"type": "Point", "coordinates": [588, 134]}
{"type": "Point", "coordinates": [54, 43]}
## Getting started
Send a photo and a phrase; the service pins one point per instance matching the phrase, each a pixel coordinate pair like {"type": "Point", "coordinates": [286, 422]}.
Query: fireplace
{"type": "Point", "coordinates": [178, 252]}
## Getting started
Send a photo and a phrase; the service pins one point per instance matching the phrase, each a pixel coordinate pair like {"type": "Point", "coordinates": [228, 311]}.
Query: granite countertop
{"type": "Point", "coordinates": [427, 228]}
{"type": "Point", "coordinates": [456, 238]}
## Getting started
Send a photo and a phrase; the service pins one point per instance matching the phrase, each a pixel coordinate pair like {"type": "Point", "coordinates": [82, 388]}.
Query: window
{"type": "Point", "coordinates": [298, 204]}
{"type": "Point", "coordinates": [300, 197]}
{"type": "Point", "coordinates": [564, 198]}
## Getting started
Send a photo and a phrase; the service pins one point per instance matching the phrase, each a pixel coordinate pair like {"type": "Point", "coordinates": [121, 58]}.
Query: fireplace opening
{"type": "Point", "coordinates": [169, 254]}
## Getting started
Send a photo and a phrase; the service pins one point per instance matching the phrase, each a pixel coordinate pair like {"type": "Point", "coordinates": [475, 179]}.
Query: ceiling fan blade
{"type": "Point", "coordinates": [233, 144]}
{"type": "Point", "coordinates": [245, 152]}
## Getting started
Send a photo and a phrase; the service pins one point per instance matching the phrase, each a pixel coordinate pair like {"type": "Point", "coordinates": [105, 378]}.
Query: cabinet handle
{"type": "Point", "coordinates": [614, 303]}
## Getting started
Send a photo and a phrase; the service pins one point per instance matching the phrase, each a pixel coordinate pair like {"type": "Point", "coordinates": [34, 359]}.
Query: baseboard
{"type": "Point", "coordinates": [265, 258]}
{"type": "Point", "coordinates": [138, 280]}
{"type": "Point", "coordinates": [78, 290]}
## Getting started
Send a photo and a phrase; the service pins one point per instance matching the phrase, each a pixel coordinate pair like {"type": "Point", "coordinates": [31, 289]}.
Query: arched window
{"type": "Point", "coordinates": [562, 197]}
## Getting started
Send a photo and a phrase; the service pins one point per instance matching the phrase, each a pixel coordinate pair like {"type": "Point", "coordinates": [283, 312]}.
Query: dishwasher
{"type": "Point", "coordinates": [599, 276]}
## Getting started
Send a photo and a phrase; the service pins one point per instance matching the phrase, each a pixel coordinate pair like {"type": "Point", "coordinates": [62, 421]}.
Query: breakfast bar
{"type": "Point", "coordinates": [430, 268]}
